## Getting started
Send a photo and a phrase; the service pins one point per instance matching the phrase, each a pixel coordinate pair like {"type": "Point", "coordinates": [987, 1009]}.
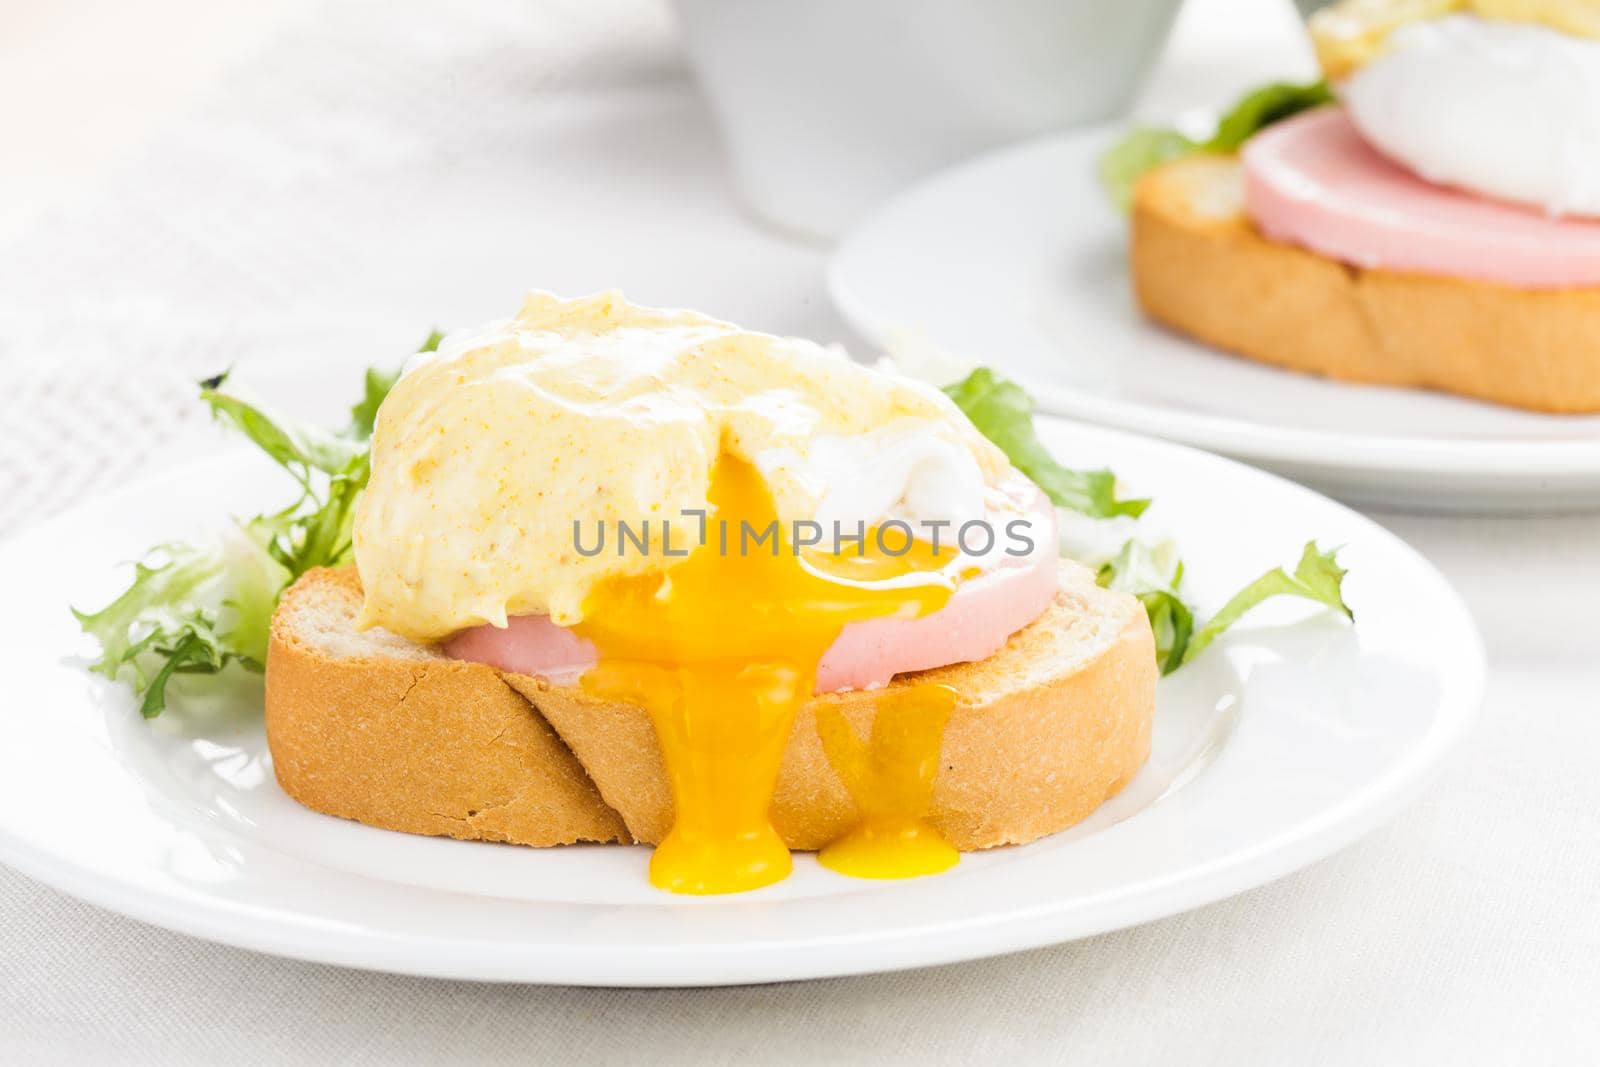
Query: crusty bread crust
{"type": "Point", "coordinates": [1044, 732]}
{"type": "Point", "coordinates": [406, 739]}
{"type": "Point", "coordinates": [1200, 267]}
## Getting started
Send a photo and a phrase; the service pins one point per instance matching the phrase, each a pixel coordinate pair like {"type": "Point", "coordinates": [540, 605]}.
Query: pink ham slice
{"type": "Point", "coordinates": [1313, 181]}
{"type": "Point", "coordinates": [980, 616]}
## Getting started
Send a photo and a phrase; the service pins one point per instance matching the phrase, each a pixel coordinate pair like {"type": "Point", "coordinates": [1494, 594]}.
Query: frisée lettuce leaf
{"type": "Point", "coordinates": [196, 609]}
{"type": "Point", "coordinates": [191, 609]}
{"type": "Point", "coordinates": [1317, 577]}
{"type": "Point", "coordinates": [1003, 412]}
{"type": "Point", "coordinates": [1150, 571]}
{"type": "Point", "coordinates": [330, 468]}
{"type": "Point", "coordinates": [364, 415]}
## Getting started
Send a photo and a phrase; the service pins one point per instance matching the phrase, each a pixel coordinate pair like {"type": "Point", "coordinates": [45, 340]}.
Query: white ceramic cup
{"type": "Point", "coordinates": [829, 105]}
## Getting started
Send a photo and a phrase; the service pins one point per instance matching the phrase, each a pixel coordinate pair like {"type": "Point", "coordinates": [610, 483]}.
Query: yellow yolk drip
{"type": "Point", "coordinates": [721, 650]}
{"type": "Point", "coordinates": [891, 779]}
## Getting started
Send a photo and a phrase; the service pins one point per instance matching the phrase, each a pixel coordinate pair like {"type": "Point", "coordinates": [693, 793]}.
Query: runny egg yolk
{"type": "Point", "coordinates": [722, 649]}
{"type": "Point", "coordinates": [890, 777]}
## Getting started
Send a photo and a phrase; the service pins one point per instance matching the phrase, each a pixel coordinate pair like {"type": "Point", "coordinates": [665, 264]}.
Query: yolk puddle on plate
{"type": "Point", "coordinates": [721, 650]}
{"type": "Point", "coordinates": [890, 777]}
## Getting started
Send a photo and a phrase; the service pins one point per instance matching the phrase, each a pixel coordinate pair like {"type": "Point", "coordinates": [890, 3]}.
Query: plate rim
{"type": "Point", "coordinates": [1321, 449]}
{"type": "Point", "coordinates": [282, 932]}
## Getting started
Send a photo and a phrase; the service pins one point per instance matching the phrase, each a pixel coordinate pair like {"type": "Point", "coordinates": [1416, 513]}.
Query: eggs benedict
{"type": "Point", "coordinates": [1438, 226]}
{"type": "Point", "coordinates": [752, 596]}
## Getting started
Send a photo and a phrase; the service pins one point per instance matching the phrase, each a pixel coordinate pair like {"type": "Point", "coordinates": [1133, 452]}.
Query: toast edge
{"type": "Point", "coordinates": [437, 747]}
{"type": "Point", "coordinates": [1205, 271]}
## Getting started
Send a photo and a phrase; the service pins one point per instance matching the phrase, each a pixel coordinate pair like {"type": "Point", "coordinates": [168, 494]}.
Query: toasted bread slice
{"type": "Point", "coordinates": [368, 726]}
{"type": "Point", "coordinates": [1200, 267]}
{"type": "Point", "coordinates": [371, 727]}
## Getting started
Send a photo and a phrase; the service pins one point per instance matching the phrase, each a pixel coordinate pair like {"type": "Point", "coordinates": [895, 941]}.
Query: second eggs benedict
{"type": "Point", "coordinates": [1435, 222]}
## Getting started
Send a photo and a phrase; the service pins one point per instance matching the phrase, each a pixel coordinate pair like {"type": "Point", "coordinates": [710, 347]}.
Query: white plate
{"type": "Point", "coordinates": [1016, 260]}
{"type": "Point", "coordinates": [1283, 743]}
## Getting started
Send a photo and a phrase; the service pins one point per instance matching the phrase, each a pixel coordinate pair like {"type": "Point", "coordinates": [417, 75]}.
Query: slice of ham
{"type": "Point", "coordinates": [982, 613]}
{"type": "Point", "coordinates": [1313, 181]}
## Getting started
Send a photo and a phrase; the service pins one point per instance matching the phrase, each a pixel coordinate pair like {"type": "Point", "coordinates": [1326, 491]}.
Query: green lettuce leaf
{"type": "Point", "coordinates": [1152, 574]}
{"type": "Point", "coordinates": [298, 447]}
{"type": "Point", "coordinates": [197, 609]}
{"type": "Point", "coordinates": [1003, 412]}
{"type": "Point", "coordinates": [1316, 577]}
{"type": "Point", "coordinates": [1142, 149]}
{"type": "Point", "coordinates": [190, 610]}
{"type": "Point", "coordinates": [331, 469]}
{"type": "Point", "coordinates": [1147, 147]}
{"type": "Point", "coordinates": [364, 416]}
{"type": "Point", "coordinates": [1260, 108]}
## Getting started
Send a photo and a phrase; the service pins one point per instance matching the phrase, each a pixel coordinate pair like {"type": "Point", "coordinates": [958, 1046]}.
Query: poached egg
{"type": "Point", "coordinates": [600, 413]}
{"type": "Point", "coordinates": [1505, 109]}
{"type": "Point", "coordinates": [1495, 97]}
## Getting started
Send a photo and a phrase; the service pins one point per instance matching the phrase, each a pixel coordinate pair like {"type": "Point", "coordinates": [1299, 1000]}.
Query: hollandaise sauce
{"type": "Point", "coordinates": [1351, 33]}
{"type": "Point", "coordinates": [722, 649]}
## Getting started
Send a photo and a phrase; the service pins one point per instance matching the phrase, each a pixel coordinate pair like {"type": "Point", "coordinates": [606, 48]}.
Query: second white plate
{"type": "Point", "coordinates": [1016, 260]}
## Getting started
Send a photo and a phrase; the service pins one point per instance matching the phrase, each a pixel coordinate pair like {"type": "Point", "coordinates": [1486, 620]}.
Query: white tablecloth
{"type": "Point", "coordinates": [186, 189]}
